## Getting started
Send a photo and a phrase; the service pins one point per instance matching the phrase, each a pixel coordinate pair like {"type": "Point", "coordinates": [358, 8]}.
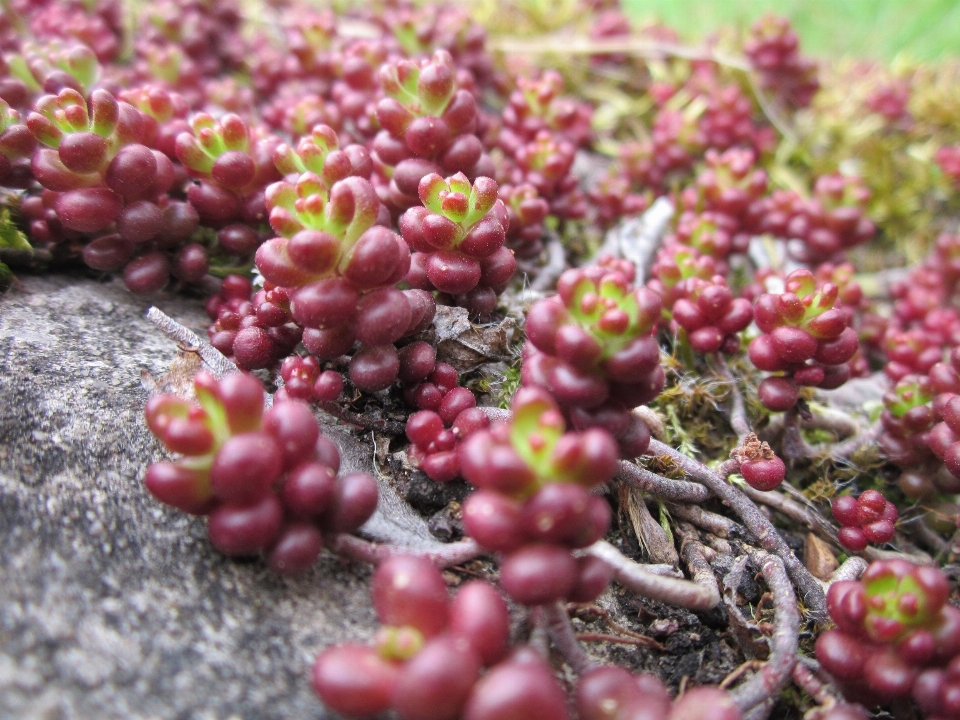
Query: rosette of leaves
{"type": "Point", "coordinates": [674, 267]}
{"type": "Point", "coordinates": [710, 315]}
{"type": "Point", "coordinates": [427, 654]}
{"type": "Point", "coordinates": [457, 237]}
{"type": "Point", "coordinates": [545, 162]}
{"type": "Point", "coordinates": [55, 63]}
{"type": "Point", "coordinates": [320, 153]}
{"type": "Point", "coordinates": [533, 500]}
{"type": "Point", "coordinates": [223, 155]}
{"type": "Point", "coordinates": [833, 220]}
{"type": "Point", "coordinates": [806, 336]}
{"type": "Point", "coordinates": [709, 233]}
{"type": "Point", "coordinates": [729, 184]}
{"type": "Point", "coordinates": [896, 635]}
{"type": "Point", "coordinates": [538, 104]}
{"type": "Point", "coordinates": [340, 268]}
{"type": "Point", "coordinates": [592, 346]}
{"type": "Point", "coordinates": [94, 157]}
{"type": "Point", "coordinates": [266, 479]}
{"type": "Point", "coordinates": [428, 125]}
{"type": "Point", "coordinates": [907, 415]}
{"type": "Point", "coordinates": [526, 211]}
{"type": "Point", "coordinates": [329, 232]}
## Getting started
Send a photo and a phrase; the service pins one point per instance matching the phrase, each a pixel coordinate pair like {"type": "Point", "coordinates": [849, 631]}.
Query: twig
{"type": "Point", "coordinates": [565, 639]}
{"type": "Point", "coordinates": [539, 638]}
{"type": "Point", "coordinates": [851, 569]}
{"type": "Point", "coordinates": [654, 539]}
{"type": "Point", "coordinates": [445, 556]}
{"type": "Point", "coordinates": [639, 241]}
{"type": "Point", "coordinates": [809, 517]}
{"type": "Point", "coordinates": [684, 593]}
{"type": "Point", "coordinates": [923, 534]}
{"type": "Point", "coordinates": [775, 673]}
{"type": "Point", "coordinates": [761, 711]}
{"type": "Point", "coordinates": [712, 522]}
{"type": "Point", "coordinates": [391, 427]}
{"type": "Point", "coordinates": [641, 641]}
{"type": "Point", "coordinates": [756, 523]}
{"type": "Point", "coordinates": [794, 446]}
{"type": "Point", "coordinates": [694, 555]}
{"type": "Point", "coordinates": [661, 487]}
{"type": "Point", "coordinates": [811, 684]}
{"type": "Point", "coordinates": [638, 638]}
{"type": "Point", "coordinates": [738, 411]}
{"type": "Point", "coordinates": [742, 627]}
{"type": "Point", "coordinates": [189, 340]}
{"type": "Point", "coordinates": [742, 670]}
{"type": "Point", "coordinates": [556, 263]}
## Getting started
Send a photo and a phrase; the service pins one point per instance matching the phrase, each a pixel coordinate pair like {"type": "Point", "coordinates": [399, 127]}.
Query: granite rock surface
{"type": "Point", "coordinates": [112, 605]}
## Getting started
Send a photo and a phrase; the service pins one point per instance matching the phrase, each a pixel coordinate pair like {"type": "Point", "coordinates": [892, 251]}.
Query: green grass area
{"type": "Point", "coordinates": [877, 29]}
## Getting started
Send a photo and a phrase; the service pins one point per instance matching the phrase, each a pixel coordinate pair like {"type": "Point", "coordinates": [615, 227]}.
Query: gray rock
{"type": "Point", "coordinates": [112, 605]}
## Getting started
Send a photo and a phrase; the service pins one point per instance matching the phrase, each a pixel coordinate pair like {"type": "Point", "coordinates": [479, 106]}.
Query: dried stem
{"type": "Point", "coordinates": [811, 684]}
{"type": "Point", "coordinates": [694, 555]}
{"type": "Point", "coordinates": [696, 595]}
{"type": "Point", "coordinates": [719, 525]}
{"type": "Point", "coordinates": [775, 673]}
{"type": "Point", "coordinates": [659, 486]}
{"type": "Point", "coordinates": [738, 411]}
{"type": "Point", "coordinates": [565, 639]}
{"type": "Point", "coordinates": [851, 569]}
{"type": "Point", "coordinates": [539, 638]}
{"type": "Point", "coordinates": [638, 241]}
{"type": "Point", "coordinates": [809, 517]}
{"type": "Point", "coordinates": [794, 446]}
{"type": "Point", "coordinates": [391, 427]}
{"type": "Point", "coordinates": [754, 520]}
{"type": "Point", "coordinates": [923, 534]}
{"type": "Point", "coordinates": [445, 556]}
{"type": "Point", "coordinates": [634, 638]}
{"type": "Point", "coordinates": [189, 340]}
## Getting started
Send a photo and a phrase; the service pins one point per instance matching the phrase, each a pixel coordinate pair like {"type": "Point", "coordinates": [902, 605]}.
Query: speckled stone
{"type": "Point", "coordinates": [112, 605]}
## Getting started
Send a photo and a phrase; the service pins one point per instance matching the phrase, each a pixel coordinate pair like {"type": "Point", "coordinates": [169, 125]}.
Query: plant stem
{"type": "Point", "coordinates": [659, 486]}
{"type": "Point", "coordinates": [775, 673]}
{"type": "Point", "coordinates": [719, 525]}
{"type": "Point", "coordinates": [565, 639]}
{"type": "Point", "coordinates": [189, 340]}
{"type": "Point", "coordinates": [695, 595]}
{"type": "Point", "coordinates": [738, 411]}
{"type": "Point", "coordinates": [354, 548]}
{"type": "Point", "coordinates": [755, 522]}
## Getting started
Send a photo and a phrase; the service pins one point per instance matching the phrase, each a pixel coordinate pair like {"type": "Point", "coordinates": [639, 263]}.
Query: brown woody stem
{"type": "Point", "coordinates": [756, 523]}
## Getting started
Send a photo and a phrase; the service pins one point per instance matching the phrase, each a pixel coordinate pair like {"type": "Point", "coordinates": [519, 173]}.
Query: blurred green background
{"type": "Point", "coordinates": [874, 29]}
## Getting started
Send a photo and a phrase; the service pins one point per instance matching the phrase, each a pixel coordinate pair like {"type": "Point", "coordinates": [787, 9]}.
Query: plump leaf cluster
{"type": "Point", "coordinates": [806, 337]}
{"type": "Point", "coordinates": [267, 480]}
{"type": "Point", "coordinates": [429, 652]}
{"type": "Point", "coordinates": [592, 347]}
{"type": "Point", "coordinates": [867, 519]}
{"type": "Point", "coordinates": [896, 636]}
{"type": "Point", "coordinates": [533, 501]}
